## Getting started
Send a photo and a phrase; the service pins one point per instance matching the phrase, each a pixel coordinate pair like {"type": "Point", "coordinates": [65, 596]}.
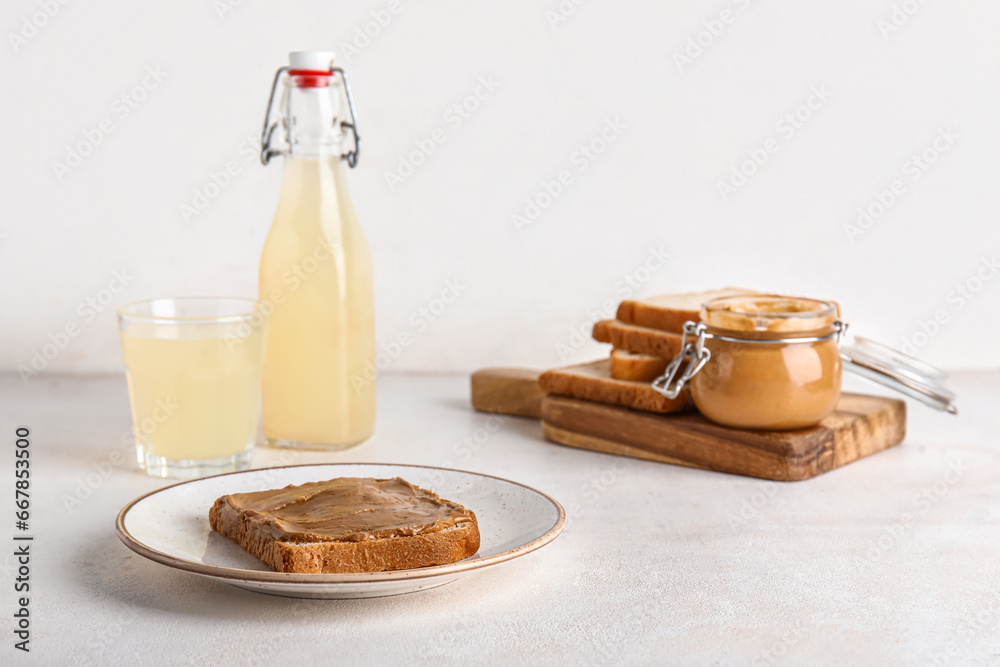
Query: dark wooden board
{"type": "Point", "coordinates": [862, 425]}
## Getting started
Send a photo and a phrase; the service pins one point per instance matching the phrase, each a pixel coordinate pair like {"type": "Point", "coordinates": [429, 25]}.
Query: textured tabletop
{"type": "Point", "coordinates": [891, 560]}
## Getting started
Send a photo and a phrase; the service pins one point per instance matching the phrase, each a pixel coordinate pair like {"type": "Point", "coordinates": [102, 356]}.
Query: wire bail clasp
{"type": "Point", "coordinates": [272, 119]}
{"type": "Point", "coordinates": [266, 152]}
{"type": "Point", "coordinates": [697, 355]}
{"type": "Point", "coordinates": [350, 156]}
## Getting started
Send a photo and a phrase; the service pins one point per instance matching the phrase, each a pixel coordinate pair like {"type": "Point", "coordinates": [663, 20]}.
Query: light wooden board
{"type": "Point", "coordinates": [507, 391]}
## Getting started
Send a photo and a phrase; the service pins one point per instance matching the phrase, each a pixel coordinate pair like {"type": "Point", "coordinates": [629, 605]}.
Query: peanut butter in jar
{"type": "Point", "coordinates": [775, 362]}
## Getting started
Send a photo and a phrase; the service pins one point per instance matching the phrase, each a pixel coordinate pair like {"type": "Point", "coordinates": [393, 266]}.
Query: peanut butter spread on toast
{"type": "Point", "coordinates": [347, 509]}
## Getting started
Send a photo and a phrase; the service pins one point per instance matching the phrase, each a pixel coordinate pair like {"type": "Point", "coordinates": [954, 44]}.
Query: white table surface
{"type": "Point", "coordinates": [892, 560]}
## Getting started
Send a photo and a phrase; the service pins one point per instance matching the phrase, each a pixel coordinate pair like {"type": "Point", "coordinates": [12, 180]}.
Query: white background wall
{"type": "Point", "coordinates": [685, 129]}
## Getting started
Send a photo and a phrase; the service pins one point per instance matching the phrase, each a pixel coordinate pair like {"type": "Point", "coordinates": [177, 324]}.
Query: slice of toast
{"type": "Point", "coordinates": [669, 312]}
{"type": "Point", "coordinates": [637, 339]}
{"type": "Point", "coordinates": [636, 367]}
{"type": "Point", "coordinates": [593, 382]}
{"type": "Point", "coordinates": [347, 525]}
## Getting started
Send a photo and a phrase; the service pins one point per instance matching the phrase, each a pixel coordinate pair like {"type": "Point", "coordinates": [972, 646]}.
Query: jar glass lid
{"type": "Point", "coordinates": [769, 314]}
{"type": "Point", "coordinates": [900, 372]}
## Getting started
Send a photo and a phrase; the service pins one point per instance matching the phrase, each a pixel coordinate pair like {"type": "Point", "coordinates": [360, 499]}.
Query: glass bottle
{"type": "Point", "coordinates": [318, 385]}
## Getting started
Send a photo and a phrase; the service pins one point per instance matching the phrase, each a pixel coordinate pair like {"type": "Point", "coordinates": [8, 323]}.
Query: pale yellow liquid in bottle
{"type": "Point", "coordinates": [316, 276]}
{"type": "Point", "coordinates": [194, 398]}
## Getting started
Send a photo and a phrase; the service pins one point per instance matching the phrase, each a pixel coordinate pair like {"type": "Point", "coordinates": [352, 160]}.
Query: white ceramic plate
{"type": "Point", "coordinates": [170, 526]}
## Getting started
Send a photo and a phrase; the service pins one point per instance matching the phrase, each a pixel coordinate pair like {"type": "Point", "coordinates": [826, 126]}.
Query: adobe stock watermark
{"type": "Point", "coordinates": [116, 619]}
{"type": "Point", "coordinates": [630, 283]}
{"type": "Point", "coordinates": [912, 170]}
{"type": "Point", "coordinates": [900, 15]}
{"type": "Point", "coordinates": [121, 108]}
{"type": "Point", "coordinates": [922, 503]}
{"type": "Point", "coordinates": [752, 505]}
{"type": "Point", "coordinates": [594, 488]}
{"type": "Point", "coordinates": [957, 298]}
{"type": "Point", "coordinates": [712, 29]}
{"type": "Point", "coordinates": [369, 30]}
{"type": "Point", "coordinates": [87, 484]}
{"type": "Point", "coordinates": [295, 615]}
{"type": "Point", "coordinates": [948, 654]}
{"type": "Point", "coordinates": [219, 179]}
{"type": "Point", "coordinates": [443, 643]}
{"type": "Point", "coordinates": [32, 24]}
{"type": "Point", "coordinates": [581, 159]}
{"type": "Point", "coordinates": [786, 127]}
{"type": "Point", "coordinates": [562, 12]}
{"type": "Point", "coordinates": [778, 649]}
{"type": "Point", "coordinates": [420, 320]}
{"type": "Point", "coordinates": [292, 279]}
{"type": "Point", "coordinates": [454, 117]}
{"type": "Point", "coordinates": [470, 444]}
{"type": "Point", "coordinates": [224, 8]}
{"type": "Point", "coordinates": [979, 625]}
{"type": "Point", "coordinates": [87, 311]}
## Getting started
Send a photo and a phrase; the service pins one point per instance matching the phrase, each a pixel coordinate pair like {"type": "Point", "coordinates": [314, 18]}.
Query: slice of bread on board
{"type": "Point", "coordinates": [627, 365]}
{"type": "Point", "coordinates": [593, 382]}
{"type": "Point", "coordinates": [669, 312]}
{"type": "Point", "coordinates": [637, 339]}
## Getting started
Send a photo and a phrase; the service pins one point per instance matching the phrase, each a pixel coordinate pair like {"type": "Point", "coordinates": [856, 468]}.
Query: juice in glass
{"type": "Point", "coordinates": [193, 369]}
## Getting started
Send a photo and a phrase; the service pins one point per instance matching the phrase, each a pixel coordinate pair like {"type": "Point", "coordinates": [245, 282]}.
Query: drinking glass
{"type": "Point", "coordinates": [193, 368]}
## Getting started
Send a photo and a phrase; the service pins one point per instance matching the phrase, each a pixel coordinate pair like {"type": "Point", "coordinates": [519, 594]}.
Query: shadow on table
{"type": "Point", "coordinates": [129, 596]}
{"type": "Point", "coordinates": [129, 585]}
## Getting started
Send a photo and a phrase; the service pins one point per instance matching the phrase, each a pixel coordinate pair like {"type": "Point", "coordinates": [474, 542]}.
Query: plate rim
{"type": "Point", "coordinates": [272, 577]}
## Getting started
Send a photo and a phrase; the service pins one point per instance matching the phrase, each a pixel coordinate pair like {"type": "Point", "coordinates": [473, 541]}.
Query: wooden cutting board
{"type": "Point", "coordinates": [862, 425]}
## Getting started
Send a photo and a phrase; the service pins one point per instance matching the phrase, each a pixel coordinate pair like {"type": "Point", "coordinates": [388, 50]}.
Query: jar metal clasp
{"type": "Point", "coordinates": [696, 355]}
{"type": "Point", "coordinates": [839, 329]}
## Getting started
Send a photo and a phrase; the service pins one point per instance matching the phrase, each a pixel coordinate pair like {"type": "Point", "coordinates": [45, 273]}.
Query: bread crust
{"type": "Point", "coordinates": [636, 367]}
{"type": "Point", "coordinates": [670, 312]}
{"type": "Point", "coordinates": [640, 314]}
{"type": "Point", "coordinates": [636, 339]}
{"type": "Point", "coordinates": [376, 555]}
{"type": "Point", "coordinates": [593, 382]}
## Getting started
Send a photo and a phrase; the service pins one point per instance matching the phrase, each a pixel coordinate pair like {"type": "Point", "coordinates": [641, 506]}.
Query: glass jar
{"type": "Point", "coordinates": [775, 363]}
